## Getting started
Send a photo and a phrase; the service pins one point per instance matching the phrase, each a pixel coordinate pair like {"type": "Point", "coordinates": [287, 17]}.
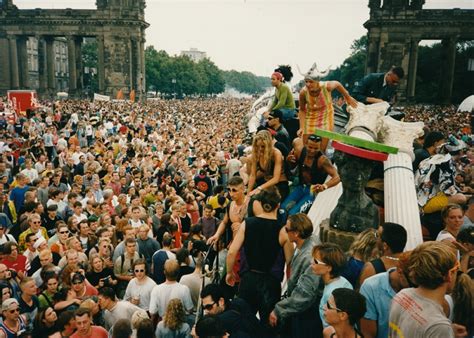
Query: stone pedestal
{"type": "Point", "coordinates": [342, 238]}
{"type": "Point", "coordinates": [399, 187]}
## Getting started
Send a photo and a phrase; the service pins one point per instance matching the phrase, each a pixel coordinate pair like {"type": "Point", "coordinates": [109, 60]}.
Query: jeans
{"type": "Point", "coordinates": [299, 200]}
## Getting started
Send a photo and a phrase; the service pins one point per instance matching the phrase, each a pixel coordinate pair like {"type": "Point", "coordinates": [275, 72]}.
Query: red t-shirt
{"type": "Point", "coordinates": [96, 332]}
{"type": "Point", "coordinates": [18, 265]}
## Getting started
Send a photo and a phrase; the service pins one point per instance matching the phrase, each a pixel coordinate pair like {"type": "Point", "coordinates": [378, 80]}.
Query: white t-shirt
{"type": "Point", "coordinates": [163, 293]}
{"type": "Point", "coordinates": [142, 291]}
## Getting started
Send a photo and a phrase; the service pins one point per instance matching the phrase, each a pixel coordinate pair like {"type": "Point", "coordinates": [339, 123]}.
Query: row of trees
{"type": "Point", "coordinates": [428, 77]}
{"type": "Point", "coordinates": [179, 75]}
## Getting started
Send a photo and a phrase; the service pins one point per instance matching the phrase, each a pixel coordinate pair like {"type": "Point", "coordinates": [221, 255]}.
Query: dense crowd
{"type": "Point", "coordinates": [166, 219]}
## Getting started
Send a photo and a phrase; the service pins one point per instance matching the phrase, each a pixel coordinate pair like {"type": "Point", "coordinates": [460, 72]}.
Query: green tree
{"type": "Point", "coordinates": [353, 67]}
{"type": "Point", "coordinates": [90, 61]}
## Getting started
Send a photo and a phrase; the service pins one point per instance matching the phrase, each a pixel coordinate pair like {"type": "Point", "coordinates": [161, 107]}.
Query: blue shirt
{"type": "Point", "coordinates": [378, 295]}
{"type": "Point", "coordinates": [341, 282]}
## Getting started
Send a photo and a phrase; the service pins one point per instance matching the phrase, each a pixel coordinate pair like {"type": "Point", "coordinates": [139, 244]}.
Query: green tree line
{"type": "Point", "coordinates": [179, 75]}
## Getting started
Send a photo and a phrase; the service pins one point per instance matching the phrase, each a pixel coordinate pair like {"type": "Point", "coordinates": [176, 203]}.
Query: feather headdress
{"type": "Point", "coordinates": [314, 73]}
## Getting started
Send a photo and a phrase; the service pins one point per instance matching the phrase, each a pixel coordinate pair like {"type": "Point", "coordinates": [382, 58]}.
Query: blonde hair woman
{"type": "Point", "coordinates": [174, 322]}
{"type": "Point", "coordinates": [267, 166]}
{"type": "Point", "coordinates": [362, 250]}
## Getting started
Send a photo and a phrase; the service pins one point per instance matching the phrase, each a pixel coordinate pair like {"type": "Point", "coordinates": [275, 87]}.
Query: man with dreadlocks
{"type": "Point", "coordinates": [315, 104]}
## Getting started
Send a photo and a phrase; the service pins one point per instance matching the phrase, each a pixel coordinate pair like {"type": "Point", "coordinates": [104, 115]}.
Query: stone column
{"type": "Point", "coordinates": [142, 82]}
{"type": "Point", "coordinates": [412, 67]}
{"type": "Point", "coordinates": [373, 53]}
{"type": "Point", "coordinates": [447, 71]}
{"type": "Point", "coordinates": [101, 63]}
{"type": "Point", "coordinates": [42, 67]}
{"type": "Point", "coordinates": [401, 204]}
{"type": "Point", "coordinates": [50, 61]}
{"type": "Point", "coordinates": [71, 58]}
{"type": "Point", "coordinates": [364, 121]}
{"type": "Point", "coordinates": [14, 74]}
{"type": "Point", "coordinates": [5, 67]}
{"type": "Point", "coordinates": [78, 59]}
{"type": "Point", "coordinates": [134, 55]}
{"type": "Point", "coordinates": [23, 62]}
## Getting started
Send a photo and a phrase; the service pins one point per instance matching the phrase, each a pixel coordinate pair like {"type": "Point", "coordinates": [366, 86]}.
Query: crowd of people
{"type": "Point", "coordinates": [165, 219]}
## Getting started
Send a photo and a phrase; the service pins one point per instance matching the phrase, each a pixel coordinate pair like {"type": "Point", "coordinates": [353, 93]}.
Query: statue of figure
{"type": "Point", "coordinates": [101, 4]}
{"type": "Point", "coordinates": [374, 4]}
{"type": "Point", "coordinates": [355, 211]}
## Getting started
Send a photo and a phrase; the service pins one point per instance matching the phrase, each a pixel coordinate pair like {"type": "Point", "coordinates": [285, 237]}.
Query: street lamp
{"type": "Point", "coordinates": [173, 81]}
{"type": "Point", "coordinates": [90, 71]}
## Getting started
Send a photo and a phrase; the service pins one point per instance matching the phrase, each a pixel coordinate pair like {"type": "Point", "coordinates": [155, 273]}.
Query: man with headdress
{"type": "Point", "coordinates": [315, 104]}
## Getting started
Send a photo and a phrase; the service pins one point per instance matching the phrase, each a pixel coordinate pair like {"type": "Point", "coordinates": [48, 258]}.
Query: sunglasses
{"type": "Point", "coordinates": [14, 310]}
{"type": "Point", "coordinates": [330, 307]}
{"type": "Point", "coordinates": [76, 283]}
{"type": "Point", "coordinates": [233, 189]}
{"type": "Point", "coordinates": [64, 232]}
{"type": "Point", "coordinates": [318, 262]}
{"type": "Point", "coordinates": [141, 270]}
{"type": "Point", "coordinates": [208, 306]}
{"type": "Point", "coordinates": [314, 138]}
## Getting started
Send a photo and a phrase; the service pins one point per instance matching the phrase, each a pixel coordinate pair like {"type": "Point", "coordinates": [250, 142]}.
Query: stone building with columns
{"type": "Point", "coordinates": [395, 29]}
{"type": "Point", "coordinates": [117, 25]}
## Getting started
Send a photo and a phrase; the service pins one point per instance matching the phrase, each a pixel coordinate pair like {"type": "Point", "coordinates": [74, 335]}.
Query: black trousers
{"type": "Point", "coordinates": [261, 291]}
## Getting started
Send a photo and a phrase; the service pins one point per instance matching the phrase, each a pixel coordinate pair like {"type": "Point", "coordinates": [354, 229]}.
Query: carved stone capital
{"type": "Point", "coordinates": [400, 134]}
{"type": "Point", "coordinates": [366, 117]}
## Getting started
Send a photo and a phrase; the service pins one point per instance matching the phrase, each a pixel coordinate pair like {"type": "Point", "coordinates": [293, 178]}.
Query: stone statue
{"type": "Point", "coordinates": [355, 211]}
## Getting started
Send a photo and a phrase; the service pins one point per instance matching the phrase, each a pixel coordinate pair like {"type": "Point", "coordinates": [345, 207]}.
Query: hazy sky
{"type": "Point", "coordinates": [255, 35]}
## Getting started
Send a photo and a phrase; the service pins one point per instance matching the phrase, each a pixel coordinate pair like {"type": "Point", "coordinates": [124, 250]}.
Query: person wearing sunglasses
{"type": "Point", "coordinates": [378, 87]}
{"type": "Point", "coordinates": [379, 291]}
{"type": "Point", "coordinates": [328, 263]}
{"type": "Point", "coordinates": [13, 323]}
{"type": "Point", "coordinates": [313, 168]}
{"type": "Point", "coordinates": [34, 223]}
{"type": "Point", "coordinates": [139, 289]}
{"type": "Point", "coordinates": [300, 305]}
{"type": "Point", "coordinates": [418, 312]}
{"type": "Point", "coordinates": [343, 311]}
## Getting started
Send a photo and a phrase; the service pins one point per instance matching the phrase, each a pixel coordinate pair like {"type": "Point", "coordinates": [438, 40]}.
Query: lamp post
{"type": "Point", "coordinates": [90, 72]}
{"type": "Point", "coordinates": [173, 81]}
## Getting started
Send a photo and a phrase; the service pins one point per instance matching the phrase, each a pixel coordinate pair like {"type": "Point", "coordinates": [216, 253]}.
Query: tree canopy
{"type": "Point", "coordinates": [179, 75]}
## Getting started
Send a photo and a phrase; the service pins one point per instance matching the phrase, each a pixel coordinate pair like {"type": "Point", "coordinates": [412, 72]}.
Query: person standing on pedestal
{"type": "Point", "coordinates": [378, 87]}
{"type": "Point", "coordinates": [315, 104]}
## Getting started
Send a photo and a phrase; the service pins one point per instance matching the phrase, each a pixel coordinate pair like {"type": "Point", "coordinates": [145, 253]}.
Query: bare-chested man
{"type": "Point", "coordinates": [237, 209]}
{"type": "Point", "coordinates": [236, 214]}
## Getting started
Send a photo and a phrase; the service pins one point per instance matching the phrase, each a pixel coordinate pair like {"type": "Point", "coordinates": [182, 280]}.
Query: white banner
{"type": "Point", "coordinates": [98, 97]}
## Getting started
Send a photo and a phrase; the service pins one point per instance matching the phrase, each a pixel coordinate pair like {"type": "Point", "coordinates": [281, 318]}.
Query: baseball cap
{"type": "Point", "coordinates": [276, 114]}
{"type": "Point", "coordinates": [8, 303]}
{"type": "Point", "coordinates": [77, 278]}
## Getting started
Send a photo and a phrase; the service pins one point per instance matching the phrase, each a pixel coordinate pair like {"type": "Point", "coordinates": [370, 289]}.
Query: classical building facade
{"type": "Point", "coordinates": [395, 29]}
{"type": "Point", "coordinates": [194, 54]}
{"type": "Point", "coordinates": [117, 25]}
